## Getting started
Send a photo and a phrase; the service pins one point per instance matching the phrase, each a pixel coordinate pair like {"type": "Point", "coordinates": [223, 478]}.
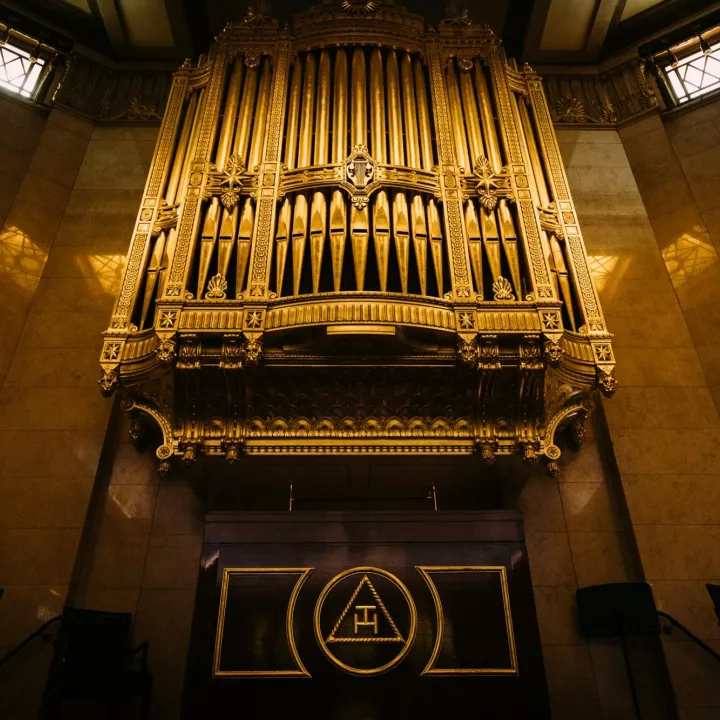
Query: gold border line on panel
{"type": "Point", "coordinates": [429, 669]}
{"type": "Point", "coordinates": [302, 670]}
{"type": "Point", "coordinates": [412, 630]}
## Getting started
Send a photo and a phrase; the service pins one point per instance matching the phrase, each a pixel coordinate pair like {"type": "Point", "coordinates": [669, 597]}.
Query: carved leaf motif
{"type": "Point", "coordinates": [216, 288]}
{"type": "Point", "coordinates": [487, 200]}
{"type": "Point", "coordinates": [572, 110]}
{"type": "Point", "coordinates": [502, 289]}
{"type": "Point", "coordinates": [230, 198]}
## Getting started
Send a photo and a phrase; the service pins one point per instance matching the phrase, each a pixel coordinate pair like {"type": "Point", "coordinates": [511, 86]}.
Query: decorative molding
{"type": "Point", "coordinates": [113, 95]}
{"type": "Point", "coordinates": [600, 99]}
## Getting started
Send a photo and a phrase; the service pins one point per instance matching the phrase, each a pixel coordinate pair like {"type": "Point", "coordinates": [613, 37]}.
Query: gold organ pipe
{"type": "Point", "coordinates": [181, 152]}
{"type": "Point", "coordinates": [322, 112]}
{"type": "Point", "coordinates": [359, 227]}
{"type": "Point", "coordinates": [436, 242]}
{"type": "Point", "coordinates": [244, 236]}
{"type": "Point", "coordinates": [358, 130]}
{"type": "Point", "coordinates": [338, 212]}
{"type": "Point", "coordinates": [194, 119]}
{"type": "Point", "coordinates": [207, 244]}
{"type": "Point", "coordinates": [377, 107]}
{"type": "Point", "coordinates": [475, 241]}
{"type": "Point", "coordinates": [340, 107]}
{"type": "Point", "coordinates": [556, 259]}
{"type": "Point", "coordinates": [291, 137]}
{"type": "Point", "coordinates": [487, 117]}
{"type": "Point", "coordinates": [420, 239]}
{"type": "Point", "coordinates": [401, 234]}
{"type": "Point", "coordinates": [338, 234]}
{"type": "Point", "coordinates": [397, 155]}
{"type": "Point", "coordinates": [458, 126]}
{"type": "Point", "coordinates": [244, 120]}
{"type": "Point", "coordinates": [228, 228]}
{"type": "Point", "coordinates": [409, 106]}
{"type": "Point", "coordinates": [490, 232]}
{"type": "Point", "coordinates": [230, 116]}
{"type": "Point", "coordinates": [318, 220]}
{"type": "Point", "coordinates": [381, 236]}
{"type": "Point", "coordinates": [424, 117]}
{"type": "Point", "coordinates": [261, 115]}
{"type": "Point", "coordinates": [307, 114]}
{"type": "Point", "coordinates": [159, 259]}
{"type": "Point", "coordinates": [152, 276]}
{"type": "Point", "coordinates": [299, 237]}
{"type": "Point", "coordinates": [281, 240]}
{"type": "Point", "coordinates": [192, 144]}
{"type": "Point", "coordinates": [491, 241]}
{"type": "Point", "coordinates": [318, 214]}
{"type": "Point", "coordinates": [472, 119]}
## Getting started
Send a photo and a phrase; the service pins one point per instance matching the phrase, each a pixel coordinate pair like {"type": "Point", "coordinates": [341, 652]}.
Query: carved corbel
{"type": "Point", "coordinates": [109, 381]}
{"type": "Point", "coordinates": [166, 350]}
{"type": "Point", "coordinates": [252, 352]}
{"type": "Point", "coordinates": [189, 451]}
{"type": "Point", "coordinates": [552, 455]}
{"type": "Point", "coordinates": [190, 353]}
{"type": "Point", "coordinates": [468, 351]}
{"type": "Point", "coordinates": [554, 353]}
{"type": "Point", "coordinates": [231, 352]}
{"type": "Point", "coordinates": [487, 453]}
{"type": "Point", "coordinates": [489, 353]}
{"type": "Point", "coordinates": [606, 382]}
{"type": "Point", "coordinates": [233, 451]}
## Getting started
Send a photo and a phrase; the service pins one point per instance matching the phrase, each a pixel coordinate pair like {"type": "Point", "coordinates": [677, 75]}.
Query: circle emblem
{"type": "Point", "coordinates": [365, 621]}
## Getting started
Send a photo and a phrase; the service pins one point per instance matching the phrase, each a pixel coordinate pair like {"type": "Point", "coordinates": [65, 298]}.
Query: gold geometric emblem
{"type": "Point", "coordinates": [364, 632]}
{"type": "Point", "coordinates": [365, 616]}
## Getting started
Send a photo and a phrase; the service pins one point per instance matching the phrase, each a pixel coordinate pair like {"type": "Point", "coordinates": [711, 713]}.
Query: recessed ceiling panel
{"type": "Point", "coordinates": [79, 4]}
{"type": "Point", "coordinates": [633, 7]}
{"type": "Point", "coordinates": [147, 23]}
{"type": "Point", "coordinates": [568, 25]}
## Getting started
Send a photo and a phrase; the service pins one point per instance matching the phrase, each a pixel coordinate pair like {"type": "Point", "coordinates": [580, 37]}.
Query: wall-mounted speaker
{"type": "Point", "coordinates": [617, 609]}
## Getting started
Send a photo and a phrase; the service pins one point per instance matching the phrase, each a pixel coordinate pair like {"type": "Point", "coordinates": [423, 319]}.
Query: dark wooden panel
{"type": "Point", "coordinates": [475, 633]}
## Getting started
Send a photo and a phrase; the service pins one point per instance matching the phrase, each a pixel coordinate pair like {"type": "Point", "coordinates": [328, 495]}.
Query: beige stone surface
{"type": "Point", "coordinates": [44, 502]}
{"type": "Point", "coordinates": [689, 602]}
{"type": "Point", "coordinates": [550, 559]}
{"type": "Point", "coordinates": [679, 552]}
{"type": "Point", "coordinates": [611, 676]}
{"type": "Point", "coordinates": [163, 618]}
{"type": "Point", "coordinates": [694, 674]}
{"type": "Point", "coordinates": [673, 499]}
{"type": "Point", "coordinates": [571, 683]}
{"type": "Point", "coordinates": [37, 556]}
{"type": "Point", "coordinates": [557, 615]}
{"type": "Point", "coordinates": [588, 506]}
{"type": "Point", "coordinates": [598, 558]}
{"type": "Point", "coordinates": [25, 607]}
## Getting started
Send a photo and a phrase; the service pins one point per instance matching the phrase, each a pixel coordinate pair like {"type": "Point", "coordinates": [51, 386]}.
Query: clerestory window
{"type": "Point", "coordinates": [697, 74]}
{"type": "Point", "coordinates": [20, 72]}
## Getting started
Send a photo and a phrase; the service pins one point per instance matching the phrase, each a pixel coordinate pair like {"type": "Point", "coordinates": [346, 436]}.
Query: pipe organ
{"type": "Point", "coordinates": [357, 236]}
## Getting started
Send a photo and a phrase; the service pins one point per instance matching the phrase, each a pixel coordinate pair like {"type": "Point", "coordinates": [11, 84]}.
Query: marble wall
{"type": "Point", "coordinates": [67, 230]}
{"type": "Point", "coordinates": [663, 423]}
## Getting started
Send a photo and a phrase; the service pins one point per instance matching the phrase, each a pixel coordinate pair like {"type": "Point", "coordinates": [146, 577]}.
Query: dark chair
{"type": "Point", "coordinates": [94, 662]}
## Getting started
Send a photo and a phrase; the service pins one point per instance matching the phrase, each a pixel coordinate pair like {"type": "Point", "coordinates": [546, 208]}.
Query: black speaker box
{"type": "Point", "coordinates": [617, 609]}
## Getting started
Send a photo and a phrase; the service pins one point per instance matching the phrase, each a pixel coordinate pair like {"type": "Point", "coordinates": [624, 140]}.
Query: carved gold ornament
{"type": "Point", "coordinates": [337, 252]}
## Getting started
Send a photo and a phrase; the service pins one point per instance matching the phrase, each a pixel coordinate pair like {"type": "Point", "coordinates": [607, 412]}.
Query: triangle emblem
{"type": "Point", "coordinates": [366, 618]}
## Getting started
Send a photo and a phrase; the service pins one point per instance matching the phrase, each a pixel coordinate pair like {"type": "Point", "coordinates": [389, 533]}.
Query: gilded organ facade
{"type": "Point", "coordinates": [357, 236]}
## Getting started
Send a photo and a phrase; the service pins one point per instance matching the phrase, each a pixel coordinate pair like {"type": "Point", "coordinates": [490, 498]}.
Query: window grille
{"type": "Point", "coordinates": [695, 75]}
{"type": "Point", "coordinates": [20, 72]}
